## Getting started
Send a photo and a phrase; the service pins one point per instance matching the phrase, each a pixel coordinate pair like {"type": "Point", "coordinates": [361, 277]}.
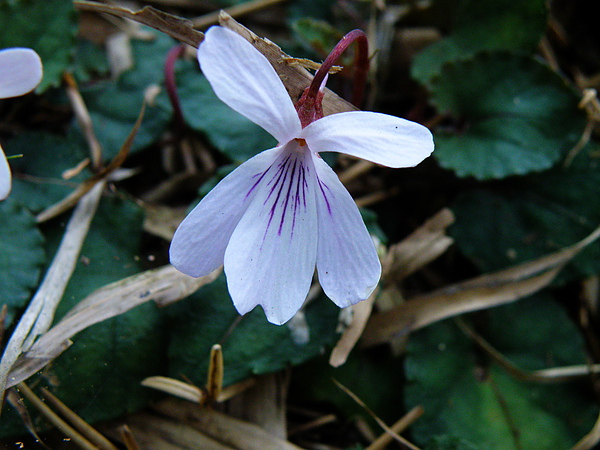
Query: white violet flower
{"type": "Point", "coordinates": [284, 212]}
{"type": "Point", "coordinates": [20, 72]}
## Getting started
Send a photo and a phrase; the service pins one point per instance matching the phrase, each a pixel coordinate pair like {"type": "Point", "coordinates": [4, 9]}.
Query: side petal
{"type": "Point", "coordinates": [5, 176]}
{"type": "Point", "coordinates": [199, 243]}
{"type": "Point", "coordinates": [380, 138]}
{"type": "Point", "coordinates": [270, 260]}
{"type": "Point", "coordinates": [347, 261]}
{"type": "Point", "coordinates": [245, 80]}
{"type": "Point", "coordinates": [20, 71]}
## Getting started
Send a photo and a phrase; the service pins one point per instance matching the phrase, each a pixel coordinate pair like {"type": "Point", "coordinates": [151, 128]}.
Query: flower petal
{"type": "Point", "coordinates": [245, 80]}
{"type": "Point", "coordinates": [199, 243]}
{"type": "Point", "coordinates": [271, 256]}
{"type": "Point", "coordinates": [380, 138]}
{"type": "Point", "coordinates": [5, 176]}
{"type": "Point", "coordinates": [20, 71]}
{"type": "Point", "coordinates": [347, 261]}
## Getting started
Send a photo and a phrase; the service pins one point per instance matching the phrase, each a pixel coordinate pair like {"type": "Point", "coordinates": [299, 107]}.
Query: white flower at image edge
{"type": "Point", "coordinates": [20, 72]}
{"type": "Point", "coordinates": [284, 212]}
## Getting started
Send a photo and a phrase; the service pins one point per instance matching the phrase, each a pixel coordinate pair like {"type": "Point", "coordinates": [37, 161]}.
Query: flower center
{"type": "Point", "coordinates": [301, 142]}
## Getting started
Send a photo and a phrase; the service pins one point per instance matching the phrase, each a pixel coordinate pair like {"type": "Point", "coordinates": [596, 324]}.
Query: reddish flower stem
{"type": "Point", "coordinates": [171, 85]}
{"type": "Point", "coordinates": [361, 65]}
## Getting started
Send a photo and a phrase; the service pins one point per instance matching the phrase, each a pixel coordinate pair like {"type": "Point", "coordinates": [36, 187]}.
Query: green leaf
{"type": "Point", "coordinates": [312, 383]}
{"type": "Point", "coordinates": [317, 9]}
{"type": "Point", "coordinates": [38, 179]}
{"type": "Point", "coordinates": [115, 105]}
{"type": "Point", "coordinates": [531, 217]}
{"type": "Point", "coordinates": [317, 36]}
{"type": "Point", "coordinates": [22, 256]}
{"type": "Point", "coordinates": [99, 375]}
{"type": "Point", "coordinates": [520, 116]}
{"type": "Point", "coordinates": [470, 400]}
{"type": "Point", "coordinates": [251, 346]}
{"type": "Point", "coordinates": [49, 27]}
{"type": "Point", "coordinates": [228, 131]}
{"type": "Point", "coordinates": [490, 25]}
{"type": "Point", "coordinates": [90, 61]}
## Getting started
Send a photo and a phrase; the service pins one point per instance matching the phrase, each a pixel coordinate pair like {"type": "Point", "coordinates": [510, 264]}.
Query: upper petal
{"type": "Point", "coordinates": [245, 80]}
{"type": "Point", "coordinates": [271, 256]}
{"type": "Point", "coordinates": [20, 71]}
{"type": "Point", "coordinates": [376, 137]}
{"type": "Point", "coordinates": [198, 246]}
{"type": "Point", "coordinates": [5, 176]}
{"type": "Point", "coordinates": [347, 261]}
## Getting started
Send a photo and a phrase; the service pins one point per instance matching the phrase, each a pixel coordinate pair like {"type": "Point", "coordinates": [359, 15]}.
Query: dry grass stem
{"type": "Point", "coordinates": [547, 376]}
{"type": "Point", "coordinates": [97, 179]}
{"type": "Point", "coordinates": [265, 404]}
{"type": "Point", "coordinates": [376, 197]}
{"type": "Point", "coordinates": [83, 118]}
{"type": "Point", "coordinates": [214, 383]}
{"type": "Point", "coordinates": [234, 11]}
{"type": "Point", "coordinates": [158, 433]}
{"type": "Point", "coordinates": [176, 388]}
{"type": "Point", "coordinates": [162, 221]}
{"type": "Point", "coordinates": [478, 293]}
{"type": "Point", "coordinates": [16, 401]}
{"type": "Point", "coordinates": [356, 170]}
{"type": "Point", "coordinates": [86, 430]}
{"type": "Point", "coordinates": [73, 172]}
{"type": "Point", "coordinates": [59, 423]}
{"type": "Point", "coordinates": [361, 313]}
{"type": "Point", "coordinates": [421, 247]}
{"type": "Point", "coordinates": [316, 423]}
{"type": "Point", "coordinates": [590, 440]}
{"type": "Point", "coordinates": [382, 441]}
{"type": "Point", "coordinates": [128, 438]}
{"type": "Point", "coordinates": [39, 314]}
{"type": "Point", "coordinates": [403, 442]}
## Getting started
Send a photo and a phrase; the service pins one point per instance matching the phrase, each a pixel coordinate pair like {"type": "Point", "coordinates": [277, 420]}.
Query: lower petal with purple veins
{"type": "Point", "coordinates": [271, 255]}
{"type": "Point", "coordinates": [347, 262]}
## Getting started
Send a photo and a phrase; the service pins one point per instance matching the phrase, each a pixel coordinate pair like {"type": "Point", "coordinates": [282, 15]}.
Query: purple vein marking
{"type": "Point", "coordinates": [323, 187]}
{"type": "Point", "coordinates": [260, 177]}
{"type": "Point", "coordinates": [277, 183]}
{"type": "Point", "coordinates": [287, 200]}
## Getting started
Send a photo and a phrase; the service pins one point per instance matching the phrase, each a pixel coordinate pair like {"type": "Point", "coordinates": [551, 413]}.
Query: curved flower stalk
{"type": "Point", "coordinates": [20, 72]}
{"type": "Point", "coordinates": [284, 212]}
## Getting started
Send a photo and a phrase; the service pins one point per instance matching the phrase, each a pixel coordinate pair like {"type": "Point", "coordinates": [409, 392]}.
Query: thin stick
{"type": "Point", "coordinates": [318, 422]}
{"type": "Point", "coordinates": [403, 442]}
{"type": "Point", "coordinates": [128, 438]}
{"type": "Point", "coordinates": [81, 425]}
{"type": "Point", "coordinates": [356, 170]}
{"type": "Point", "coordinates": [383, 440]}
{"type": "Point", "coordinates": [590, 440]}
{"type": "Point", "coordinates": [85, 121]}
{"type": "Point", "coordinates": [552, 375]}
{"type": "Point", "coordinates": [234, 11]}
{"type": "Point", "coordinates": [54, 419]}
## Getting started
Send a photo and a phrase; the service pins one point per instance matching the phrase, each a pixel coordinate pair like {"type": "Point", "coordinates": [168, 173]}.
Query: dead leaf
{"type": "Point", "coordinates": [176, 27]}
{"type": "Point", "coordinates": [163, 285]}
{"type": "Point", "coordinates": [478, 293]}
{"type": "Point", "coordinates": [228, 431]}
{"type": "Point", "coordinates": [423, 246]}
